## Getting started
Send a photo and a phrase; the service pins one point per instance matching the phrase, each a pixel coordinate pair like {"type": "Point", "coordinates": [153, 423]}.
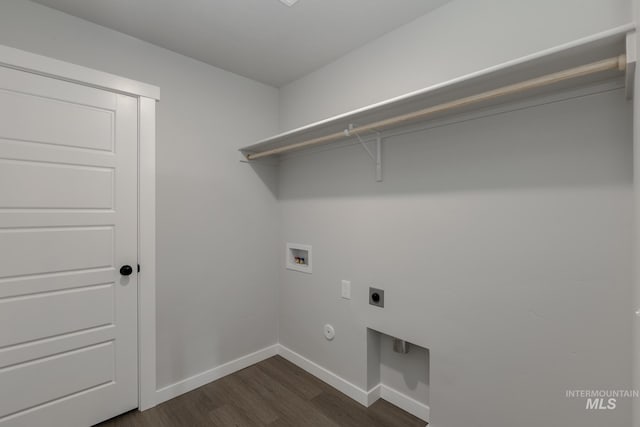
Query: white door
{"type": "Point", "coordinates": [68, 222]}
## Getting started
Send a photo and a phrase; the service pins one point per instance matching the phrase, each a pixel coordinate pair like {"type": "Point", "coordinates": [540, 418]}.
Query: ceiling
{"type": "Point", "coordinates": [260, 39]}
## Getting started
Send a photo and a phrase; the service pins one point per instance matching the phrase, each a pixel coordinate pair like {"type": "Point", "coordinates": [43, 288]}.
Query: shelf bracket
{"type": "Point", "coordinates": [377, 157]}
{"type": "Point", "coordinates": [630, 70]}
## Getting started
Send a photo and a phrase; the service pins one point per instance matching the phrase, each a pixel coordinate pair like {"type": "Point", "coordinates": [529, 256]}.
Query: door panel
{"type": "Point", "coordinates": [59, 312]}
{"type": "Point", "coordinates": [61, 123]}
{"type": "Point", "coordinates": [28, 251]}
{"type": "Point", "coordinates": [60, 375]}
{"type": "Point", "coordinates": [44, 185]}
{"type": "Point", "coordinates": [68, 221]}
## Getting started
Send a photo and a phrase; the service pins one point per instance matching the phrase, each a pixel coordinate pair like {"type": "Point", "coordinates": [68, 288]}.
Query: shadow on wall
{"type": "Point", "coordinates": [267, 171]}
{"type": "Point", "coordinates": [406, 373]}
{"type": "Point", "coordinates": [539, 146]}
{"type": "Point", "coordinates": [503, 246]}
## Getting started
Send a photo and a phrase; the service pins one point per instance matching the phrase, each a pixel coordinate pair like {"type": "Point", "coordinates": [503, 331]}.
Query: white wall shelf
{"type": "Point", "coordinates": [572, 65]}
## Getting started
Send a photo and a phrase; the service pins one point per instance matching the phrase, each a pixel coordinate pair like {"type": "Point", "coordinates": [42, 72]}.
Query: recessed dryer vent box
{"type": "Point", "coordinates": [298, 257]}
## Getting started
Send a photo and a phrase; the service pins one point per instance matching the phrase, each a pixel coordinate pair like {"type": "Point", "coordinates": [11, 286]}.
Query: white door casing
{"type": "Point", "coordinates": [68, 221]}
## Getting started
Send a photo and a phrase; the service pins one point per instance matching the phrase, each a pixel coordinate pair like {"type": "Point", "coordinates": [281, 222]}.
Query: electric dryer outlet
{"type": "Point", "coordinates": [376, 297]}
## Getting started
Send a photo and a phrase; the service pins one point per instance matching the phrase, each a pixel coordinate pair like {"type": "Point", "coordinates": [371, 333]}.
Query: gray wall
{"type": "Point", "coordinates": [636, 256]}
{"type": "Point", "coordinates": [214, 213]}
{"type": "Point", "coordinates": [504, 243]}
{"type": "Point", "coordinates": [408, 372]}
{"type": "Point", "coordinates": [456, 39]}
{"type": "Point", "coordinates": [504, 247]}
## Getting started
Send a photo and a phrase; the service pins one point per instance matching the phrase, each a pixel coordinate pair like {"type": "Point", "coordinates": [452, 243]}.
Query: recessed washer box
{"type": "Point", "coordinates": [298, 257]}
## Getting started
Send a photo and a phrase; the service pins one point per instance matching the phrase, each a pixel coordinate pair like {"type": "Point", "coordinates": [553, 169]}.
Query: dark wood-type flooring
{"type": "Point", "coordinates": [273, 393]}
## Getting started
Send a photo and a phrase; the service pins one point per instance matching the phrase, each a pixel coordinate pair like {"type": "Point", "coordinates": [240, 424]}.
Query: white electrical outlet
{"type": "Point", "coordinates": [346, 289]}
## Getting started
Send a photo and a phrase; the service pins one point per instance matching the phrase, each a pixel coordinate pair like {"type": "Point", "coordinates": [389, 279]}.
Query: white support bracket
{"type": "Point", "coordinates": [630, 69]}
{"type": "Point", "coordinates": [377, 157]}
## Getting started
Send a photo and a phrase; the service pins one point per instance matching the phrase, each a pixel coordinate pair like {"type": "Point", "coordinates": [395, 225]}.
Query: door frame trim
{"type": "Point", "coordinates": [147, 96]}
{"type": "Point", "coordinates": [147, 253]}
{"type": "Point", "coordinates": [50, 67]}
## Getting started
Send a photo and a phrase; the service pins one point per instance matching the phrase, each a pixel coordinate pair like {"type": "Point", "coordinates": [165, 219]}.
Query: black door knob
{"type": "Point", "coordinates": [375, 297]}
{"type": "Point", "coordinates": [126, 270]}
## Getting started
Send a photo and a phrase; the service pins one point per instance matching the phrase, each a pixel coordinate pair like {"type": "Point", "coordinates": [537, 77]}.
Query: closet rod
{"type": "Point", "coordinates": [616, 63]}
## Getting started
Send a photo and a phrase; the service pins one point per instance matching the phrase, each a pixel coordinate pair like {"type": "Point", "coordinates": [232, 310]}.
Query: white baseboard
{"type": "Point", "coordinates": [198, 380]}
{"type": "Point", "coordinates": [353, 391]}
{"type": "Point", "coordinates": [365, 398]}
{"type": "Point", "coordinates": [404, 402]}
{"type": "Point", "coordinates": [373, 395]}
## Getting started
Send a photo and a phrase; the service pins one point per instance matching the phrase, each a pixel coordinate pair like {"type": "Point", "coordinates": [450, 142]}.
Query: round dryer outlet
{"type": "Point", "coordinates": [329, 332]}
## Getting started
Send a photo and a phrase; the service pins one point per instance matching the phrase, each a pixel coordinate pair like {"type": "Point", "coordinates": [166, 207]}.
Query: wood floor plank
{"type": "Point", "coordinates": [289, 405]}
{"type": "Point", "coordinates": [282, 423]}
{"type": "Point", "coordinates": [342, 410]}
{"type": "Point", "coordinates": [294, 378]}
{"type": "Point", "coordinates": [189, 409]}
{"type": "Point", "coordinates": [152, 417]}
{"type": "Point", "coordinates": [272, 393]}
{"type": "Point", "coordinates": [231, 390]}
{"type": "Point", "coordinates": [388, 415]}
{"type": "Point", "coordinates": [230, 415]}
